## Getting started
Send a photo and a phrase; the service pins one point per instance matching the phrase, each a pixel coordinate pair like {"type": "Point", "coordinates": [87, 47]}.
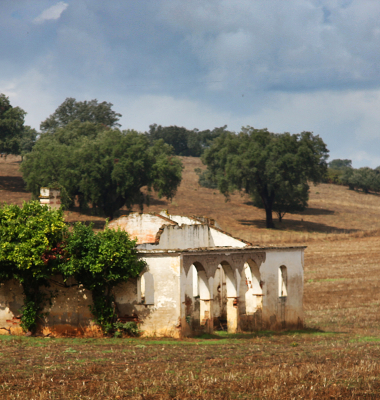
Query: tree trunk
{"type": "Point", "coordinates": [269, 218]}
{"type": "Point", "coordinates": [268, 205]}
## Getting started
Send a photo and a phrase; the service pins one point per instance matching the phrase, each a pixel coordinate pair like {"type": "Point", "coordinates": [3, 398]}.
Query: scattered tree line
{"type": "Point", "coordinates": [36, 246]}
{"type": "Point", "coordinates": [340, 172]}
{"type": "Point", "coordinates": [185, 142]}
{"type": "Point", "coordinates": [96, 165]}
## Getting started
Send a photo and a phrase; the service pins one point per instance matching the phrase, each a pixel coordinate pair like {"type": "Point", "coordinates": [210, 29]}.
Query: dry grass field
{"type": "Point", "coordinates": [337, 357]}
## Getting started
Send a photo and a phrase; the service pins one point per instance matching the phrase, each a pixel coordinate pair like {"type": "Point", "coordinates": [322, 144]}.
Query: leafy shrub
{"type": "Point", "coordinates": [130, 328]}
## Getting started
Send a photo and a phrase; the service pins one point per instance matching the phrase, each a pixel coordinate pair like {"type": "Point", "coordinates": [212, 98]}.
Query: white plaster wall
{"type": "Point", "coordinates": [219, 239]}
{"type": "Point", "coordinates": [192, 237]}
{"type": "Point", "coordinates": [144, 227]}
{"type": "Point", "coordinates": [269, 270]}
{"type": "Point", "coordinates": [181, 237]}
{"type": "Point", "coordinates": [181, 220]}
{"type": "Point", "coordinates": [162, 318]}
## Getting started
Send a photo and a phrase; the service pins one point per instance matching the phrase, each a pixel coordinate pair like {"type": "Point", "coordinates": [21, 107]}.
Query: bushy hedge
{"type": "Point", "coordinates": [35, 245]}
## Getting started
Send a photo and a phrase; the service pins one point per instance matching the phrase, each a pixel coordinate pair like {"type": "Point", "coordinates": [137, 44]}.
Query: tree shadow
{"type": "Point", "coordinates": [157, 202]}
{"type": "Point", "coordinates": [12, 184]}
{"type": "Point", "coordinates": [297, 225]}
{"type": "Point", "coordinates": [316, 211]}
{"type": "Point", "coordinates": [308, 211]}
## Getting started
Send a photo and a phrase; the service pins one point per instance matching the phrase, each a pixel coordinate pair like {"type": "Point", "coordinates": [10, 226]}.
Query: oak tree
{"type": "Point", "coordinates": [100, 167]}
{"type": "Point", "coordinates": [266, 165]}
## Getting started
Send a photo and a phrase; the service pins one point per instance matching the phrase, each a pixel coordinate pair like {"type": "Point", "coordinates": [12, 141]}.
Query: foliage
{"type": "Point", "coordinates": [130, 328]}
{"type": "Point", "coordinates": [101, 167]}
{"type": "Point", "coordinates": [267, 165]}
{"type": "Point", "coordinates": [100, 261]}
{"type": "Point", "coordinates": [15, 137]}
{"type": "Point", "coordinates": [185, 142]}
{"type": "Point", "coordinates": [205, 179]}
{"type": "Point", "coordinates": [365, 179]}
{"type": "Point", "coordinates": [288, 199]}
{"type": "Point", "coordinates": [336, 170]}
{"type": "Point", "coordinates": [82, 111]}
{"type": "Point", "coordinates": [27, 140]}
{"type": "Point", "coordinates": [30, 252]}
{"type": "Point", "coordinates": [340, 164]}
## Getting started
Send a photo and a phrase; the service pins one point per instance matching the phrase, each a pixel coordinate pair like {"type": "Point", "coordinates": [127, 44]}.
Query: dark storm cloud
{"type": "Point", "coordinates": [288, 65]}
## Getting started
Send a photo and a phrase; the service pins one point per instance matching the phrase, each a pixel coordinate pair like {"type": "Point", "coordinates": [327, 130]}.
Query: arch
{"type": "Point", "coordinates": [197, 298]}
{"type": "Point", "coordinates": [228, 298]}
{"type": "Point", "coordinates": [203, 290]}
{"type": "Point", "coordinates": [255, 277]}
{"type": "Point", "coordinates": [250, 288]}
{"type": "Point", "coordinates": [283, 281]}
{"type": "Point", "coordinates": [145, 289]}
{"type": "Point", "coordinates": [230, 279]}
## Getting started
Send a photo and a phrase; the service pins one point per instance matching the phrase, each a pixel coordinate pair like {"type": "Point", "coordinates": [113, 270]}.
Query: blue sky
{"type": "Point", "coordinates": [288, 66]}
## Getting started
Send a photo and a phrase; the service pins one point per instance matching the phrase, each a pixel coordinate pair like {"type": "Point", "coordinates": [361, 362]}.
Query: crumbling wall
{"type": "Point", "coordinates": [180, 219]}
{"type": "Point", "coordinates": [219, 238]}
{"type": "Point", "coordinates": [181, 237]}
{"type": "Point", "coordinates": [144, 227]}
{"type": "Point", "coordinates": [68, 313]}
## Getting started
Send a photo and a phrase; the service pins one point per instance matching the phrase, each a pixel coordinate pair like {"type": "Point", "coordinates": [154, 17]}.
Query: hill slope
{"type": "Point", "coordinates": [333, 210]}
{"type": "Point", "coordinates": [341, 229]}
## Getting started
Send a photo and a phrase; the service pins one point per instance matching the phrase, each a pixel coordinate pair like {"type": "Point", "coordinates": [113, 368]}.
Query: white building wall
{"type": "Point", "coordinates": [218, 239]}
{"type": "Point", "coordinates": [181, 237]}
{"type": "Point", "coordinates": [163, 317]}
{"type": "Point", "coordinates": [144, 227]}
{"type": "Point", "coordinates": [276, 311]}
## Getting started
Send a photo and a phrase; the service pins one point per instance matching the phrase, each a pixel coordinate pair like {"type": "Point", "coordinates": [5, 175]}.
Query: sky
{"type": "Point", "coordinates": [289, 66]}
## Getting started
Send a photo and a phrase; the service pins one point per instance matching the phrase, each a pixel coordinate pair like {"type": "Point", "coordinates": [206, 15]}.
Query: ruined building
{"type": "Point", "coordinates": [197, 279]}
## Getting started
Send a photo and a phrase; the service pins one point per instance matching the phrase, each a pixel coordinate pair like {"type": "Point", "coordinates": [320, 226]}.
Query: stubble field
{"type": "Point", "coordinates": [338, 356]}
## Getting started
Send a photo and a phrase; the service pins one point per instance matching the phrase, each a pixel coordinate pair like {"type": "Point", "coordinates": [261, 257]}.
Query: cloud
{"type": "Point", "coordinates": [52, 13]}
{"type": "Point", "coordinates": [277, 45]}
{"type": "Point", "coordinates": [304, 65]}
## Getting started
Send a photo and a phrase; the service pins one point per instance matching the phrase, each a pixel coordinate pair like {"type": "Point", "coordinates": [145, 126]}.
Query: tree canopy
{"type": "Point", "coordinates": [365, 179]}
{"type": "Point", "coordinates": [30, 245]}
{"type": "Point", "coordinates": [15, 137]}
{"type": "Point", "coordinates": [101, 167]}
{"type": "Point", "coordinates": [185, 142]}
{"type": "Point", "coordinates": [340, 164]}
{"type": "Point", "coordinates": [272, 167]}
{"type": "Point", "coordinates": [35, 246]}
{"type": "Point", "coordinates": [83, 111]}
{"type": "Point", "coordinates": [100, 261]}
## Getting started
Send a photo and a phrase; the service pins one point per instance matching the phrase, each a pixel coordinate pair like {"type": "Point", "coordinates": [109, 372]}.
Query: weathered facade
{"type": "Point", "coordinates": [197, 278]}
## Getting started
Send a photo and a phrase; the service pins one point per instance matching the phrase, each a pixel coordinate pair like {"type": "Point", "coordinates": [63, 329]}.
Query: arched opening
{"type": "Point", "coordinates": [225, 298]}
{"type": "Point", "coordinates": [282, 293]}
{"type": "Point", "coordinates": [197, 298]}
{"type": "Point", "coordinates": [282, 281]}
{"type": "Point", "coordinates": [250, 297]}
{"type": "Point", "coordinates": [145, 289]}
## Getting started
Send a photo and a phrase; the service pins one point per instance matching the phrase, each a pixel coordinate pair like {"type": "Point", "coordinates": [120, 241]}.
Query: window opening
{"type": "Point", "coordinates": [146, 289]}
{"type": "Point", "coordinates": [283, 282]}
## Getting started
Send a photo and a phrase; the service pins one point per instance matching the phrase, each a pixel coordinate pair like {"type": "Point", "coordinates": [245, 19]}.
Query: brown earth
{"type": "Point", "coordinates": [341, 297]}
